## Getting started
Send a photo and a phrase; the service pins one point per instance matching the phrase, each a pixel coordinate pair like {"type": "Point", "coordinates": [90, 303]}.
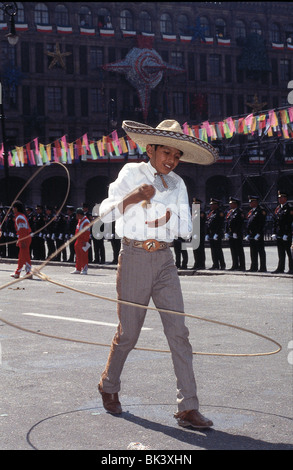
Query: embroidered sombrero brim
{"type": "Point", "coordinates": [169, 133]}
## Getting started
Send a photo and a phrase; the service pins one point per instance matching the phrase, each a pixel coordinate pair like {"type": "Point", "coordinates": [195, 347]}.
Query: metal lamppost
{"type": "Point", "coordinates": [11, 10]}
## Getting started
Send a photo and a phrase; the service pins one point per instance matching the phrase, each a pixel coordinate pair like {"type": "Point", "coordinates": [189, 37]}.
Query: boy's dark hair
{"type": "Point", "coordinates": [19, 206]}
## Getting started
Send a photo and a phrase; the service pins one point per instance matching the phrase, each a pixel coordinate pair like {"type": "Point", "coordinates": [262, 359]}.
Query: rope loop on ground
{"type": "Point", "coordinates": [37, 272]}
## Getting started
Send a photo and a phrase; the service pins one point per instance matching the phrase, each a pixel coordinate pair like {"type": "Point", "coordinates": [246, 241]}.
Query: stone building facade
{"type": "Point", "coordinates": [235, 59]}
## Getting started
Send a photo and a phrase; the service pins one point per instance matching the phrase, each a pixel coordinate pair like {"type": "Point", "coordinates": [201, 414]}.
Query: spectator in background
{"type": "Point", "coordinates": [256, 219]}
{"type": "Point", "coordinates": [234, 233]}
{"type": "Point", "coordinates": [215, 230]}
{"type": "Point", "coordinates": [282, 232]}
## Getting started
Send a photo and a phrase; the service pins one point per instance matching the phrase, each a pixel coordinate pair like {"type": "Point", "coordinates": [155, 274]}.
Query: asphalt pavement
{"type": "Point", "coordinates": [49, 374]}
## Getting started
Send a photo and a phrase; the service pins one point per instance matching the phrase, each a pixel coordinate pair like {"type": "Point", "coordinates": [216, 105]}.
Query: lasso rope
{"type": "Point", "coordinates": [42, 276]}
{"type": "Point", "coordinates": [23, 188]}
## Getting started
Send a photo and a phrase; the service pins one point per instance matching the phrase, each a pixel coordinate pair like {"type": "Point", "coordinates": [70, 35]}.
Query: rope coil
{"type": "Point", "coordinates": [44, 277]}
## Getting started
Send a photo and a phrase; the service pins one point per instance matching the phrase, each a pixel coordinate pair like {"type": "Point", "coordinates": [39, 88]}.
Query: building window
{"type": "Point", "coordinates": [25, 57]}
{"type": "Point", "coordinates": [191, 66]}
{"type": "Point", "coordinates": [239, 72]}
{"type": "Point", "coordinates": [145, 22]}
{"type": "Point", "coordinates": [205, 26]}
{"type": "Point", "coordinates": [177, 58]}
{"type": "Point", "coordinates": [178, 102]}
{"type": "Point", "coordinates": [215, 66]}
{"type": "Point", "coordinates": [83, 60]}
{"type": "Point", "coordinates": [275, 72]}
{"type": "Point", "coordinates": [275, 33]}
{"type": "Point", "coordinates": [96, 57]}
{"type": "Point", "coordinates": [203, 67]}
{"type": "Point", "coordinates": [85, 17]}
{"type": "Point", "coordinates": [19, 18]}
{"type": "Point", "coordinates": [285, 70]}
{"type": "Point", "coordinates": [229, 105]}
{"type": "Point", "coordinates": [289, 33]}
{"type": "Point", "coordinates": [96, 100]}
{"type": "Point", "coordinates": [26, 100]}
{"type": "Point", "coordinates": [221, 29]}
{"type": "Point", "coordinates": [126, 20]}
{"type": "Point", "coordinates": [166, 23]}
{"type": "Point", "coordinates": [104, 18]}
{"type": "Point", "coordinates": [8, 54]}
{"type": "Point", "coordinates": [70, 101]}
{"type": "Point", "coordinates": [240, 103]}
{"type": "Point", "coordinates": [41, 14]}
{"type": "Point", "coordinates": [183, 24]}
{"type": "Point", "coordinates": [240, 29]}
{"type": "Point", "coordinates": [215, 105]}
{"type": "Point", "coordinates": [61, 15]}
{"type": "Point", "coordinates": [55, 134]}
{"type": "Point", "coordinates": [69, 64]}
{"type": "Point", "coordinates": [54, 99]}
{"type": "Point", "coordinates": [39, 57]}
{"type": "Point", "coordinates": [84, 102]}
{"type": "Point", "coordinates": [256, 28]}
{"type": "Point", "coordinates": [228, 68]}
{"type": "Point", "coordinates": [40, 95]}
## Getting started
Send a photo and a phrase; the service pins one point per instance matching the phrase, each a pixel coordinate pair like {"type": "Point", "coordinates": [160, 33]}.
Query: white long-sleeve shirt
{"type": "Point", "coordinates": [132, 224]}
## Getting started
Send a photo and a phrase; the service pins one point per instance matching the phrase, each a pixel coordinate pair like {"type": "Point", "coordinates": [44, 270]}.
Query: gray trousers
{"type": "Point", "coordinates": [142, 275]}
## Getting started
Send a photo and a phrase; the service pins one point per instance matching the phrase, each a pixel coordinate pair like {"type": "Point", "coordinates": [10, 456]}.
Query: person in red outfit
{"type": "Point", "coordinates": [23, 232]}
{"type": "Point", "coordinates": [81, 245]}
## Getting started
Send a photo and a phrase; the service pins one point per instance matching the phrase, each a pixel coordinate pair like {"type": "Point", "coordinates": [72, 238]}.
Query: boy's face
{"type": "Point", "coordinates": [164, 158]}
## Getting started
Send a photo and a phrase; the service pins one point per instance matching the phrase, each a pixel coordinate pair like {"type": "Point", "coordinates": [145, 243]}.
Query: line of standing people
{"type": "Point", "coordinates": [235, 226]}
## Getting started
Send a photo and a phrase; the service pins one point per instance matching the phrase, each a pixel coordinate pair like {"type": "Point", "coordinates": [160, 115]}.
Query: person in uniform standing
{"type": "Point", "coordinates": [179, 252]}
{"type": "Point", "coordinates": [115, 243]}
{"type": "Point", "coordinates": [70, 231]}
{"type": "Point", "coordinates": [2, 232]}
{"type": "Point", "coordinates": [215, 229]}
{"type": "Point", "coordinates": [199, 253]}
{"type": "Point", "coordinates": [39, 237]}
{"type": "Point", "coordinates": [149, 202]}
{"type": "Point", "coordinates": [282, 232]}
{"type": "Point", "coordinates": [30, 217]}
{"type": "Point", "coordinates": [11, 236]}
{"type": "Point", "coordinates": [50, 231]}
{"type": "Point", "coordinates": [256, 220]}
{"type": "Point", "coordinates": [234, 233]}
{"type": "Point", "coordinates": [98, 242]}
{"type": "Point", "coordinates": [60, 236]}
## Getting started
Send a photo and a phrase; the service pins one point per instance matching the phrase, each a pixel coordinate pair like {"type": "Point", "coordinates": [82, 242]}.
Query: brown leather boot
{"type": "Point", "coordinates": [192, 418]}
{"type": "Point", "coordinates": [111, 402]}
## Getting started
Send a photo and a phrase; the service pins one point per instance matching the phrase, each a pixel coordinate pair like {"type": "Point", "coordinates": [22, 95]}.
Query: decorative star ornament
{"type": "Point", "coordinates": [198, 31]}
{"type": "Point", "coordinates": [57, 56]}
{"type": "Point", "coordinates": [144, 69]}
{"type": "Point", "coordinates": [256, 105]}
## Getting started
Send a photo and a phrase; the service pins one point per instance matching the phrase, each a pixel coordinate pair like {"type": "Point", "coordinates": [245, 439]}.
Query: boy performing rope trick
{"type": "Point", "coordinates": [149, 203]}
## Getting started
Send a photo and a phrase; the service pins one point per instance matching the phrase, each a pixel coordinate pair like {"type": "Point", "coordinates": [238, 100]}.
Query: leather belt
{"type": "Point", "coordinates": [148, 245]}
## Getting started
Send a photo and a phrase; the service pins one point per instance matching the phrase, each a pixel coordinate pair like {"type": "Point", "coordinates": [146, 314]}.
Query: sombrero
{"type": "Point", "coordinates": [169, 133]}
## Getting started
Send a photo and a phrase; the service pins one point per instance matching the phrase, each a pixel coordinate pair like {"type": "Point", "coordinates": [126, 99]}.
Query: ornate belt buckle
{"type": "Point", "coordinates": [151, 245]}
